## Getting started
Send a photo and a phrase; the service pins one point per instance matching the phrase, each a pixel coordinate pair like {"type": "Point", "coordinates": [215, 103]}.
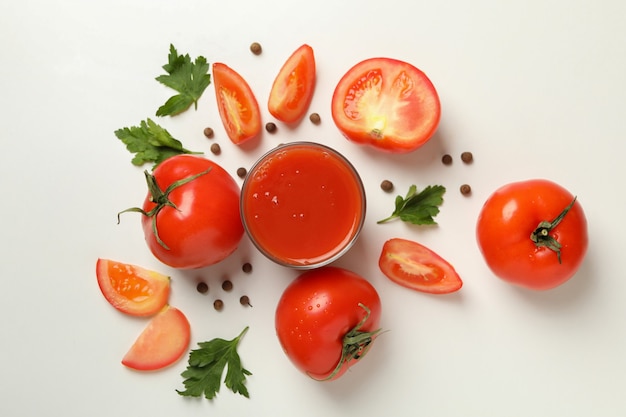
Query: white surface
{"type": "Point", "coordinates": [533, 89]}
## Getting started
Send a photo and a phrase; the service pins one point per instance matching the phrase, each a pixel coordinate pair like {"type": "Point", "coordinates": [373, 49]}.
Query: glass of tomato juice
{"type": "Point", "coordinates": [303, 205]}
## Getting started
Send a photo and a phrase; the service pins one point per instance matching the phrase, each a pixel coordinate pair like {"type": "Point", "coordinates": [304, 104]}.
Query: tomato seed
{"type": "Point", "coordinates": [215, 148]}
{"type": "Point", "coordinates": [270, 127]}
{"type": "Point", "coordinates": [315, 118]}
{"type": "Point", "coordinates": [245, 301]}
{"type": "Point", "coordinates": [256, 48]}
{"type": "Point", "coordinates": [467, 157]}
{"type": "Point", "coordinates": [202, 287]}
{"type": "Point", "coordinates": [227, 285]}
{"type": "Point", "coordinates": [386, 185]}
{"type": "Point", "coordinates": [242, 172]}
{"type": "Point", "coordinates": [208, 132]}
{"type": "Point", "coordinates": [466, 189]}
{"type": "Point", "coordinates": [446, 159]}
{"type": "Point", "coordinates": [247, 267]}
{"type": "Point", "coordinates": [218, 304]}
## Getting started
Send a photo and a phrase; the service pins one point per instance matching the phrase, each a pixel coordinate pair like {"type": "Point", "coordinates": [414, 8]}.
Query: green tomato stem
{"type": "Point", "coordinates": [541, 235]}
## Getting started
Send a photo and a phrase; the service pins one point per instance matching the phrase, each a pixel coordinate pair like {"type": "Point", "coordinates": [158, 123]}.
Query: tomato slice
{"type": "Point", "coordinates": [415, 266]}
{"type": "Point", "coordinates": [132, 289]}
{"type": "Point", "coordinates": [386, 103]}
{"type": "Point", "coordinates": [163, 342]}
{"type": "Point", "coordinates": [293, 87]}
{"type": "Point", "coordinates": [236, 103]}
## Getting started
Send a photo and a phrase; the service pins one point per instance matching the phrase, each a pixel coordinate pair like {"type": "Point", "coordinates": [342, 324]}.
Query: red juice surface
{"type": "Point", "coordinates": [302, 204]}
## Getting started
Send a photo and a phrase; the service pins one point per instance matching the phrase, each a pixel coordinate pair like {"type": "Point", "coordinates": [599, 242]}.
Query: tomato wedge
{"type": "Point", "coordinates": [163, 342]}
{"type": "Point", "coordinates": [236, 103]}
{"type": "Point", "coordinates": [293, 87]}
{"type": "Point", "coordinates": [415, 266]}
{"type": "Point", "coordinates": [386, 103]}
{"type": "Point", "coordinates": [132, 289]}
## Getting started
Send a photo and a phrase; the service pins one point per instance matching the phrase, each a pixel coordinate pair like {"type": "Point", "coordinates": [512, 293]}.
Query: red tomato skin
{"type": "Point", "coordinates": [236, 103]}
{"type": "Point", "coordinates": [206, 226]}
{"type": "Point", "coordinates": [293, 87]}
{"type": "Point", "coordinates": [417, 267]}
{"type": "Point", "coordinates": [505, 224]}
{"type": "Point", "coordinates": [315, 312]}
{"type": "Point", "coordinates": [400, 116]}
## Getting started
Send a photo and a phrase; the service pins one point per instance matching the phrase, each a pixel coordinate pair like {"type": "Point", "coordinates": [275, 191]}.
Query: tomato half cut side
{"type": "Point", "coordinates": [163, 342]}
{"type": "Point", "coordinates": [293, 87]}
{"type": "Point", "coordinates": [132, 289]}
{"type": "Point", "coordinates": [236, 103]}
{"type": "Point", "coordinates": [386, 103]}
{"type": "Point", "coordinates": [417, 267]}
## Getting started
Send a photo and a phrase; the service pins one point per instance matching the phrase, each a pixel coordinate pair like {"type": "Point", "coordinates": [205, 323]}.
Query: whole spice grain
{"type": "Point", "coordinates": [218, 304]}
{"type": "Point", "coordinates": [256, 48]}
{"type": "Point", "coordinates": [315, 118]}
{"type": "Point", "coordinates": [242, 172]}
{"type": "Point", "coordinates": [215, 149]}
{"type": "Point", "coordinates": [208, 132]}
{"type": "Point", "coordinates": [202, 287]}
{"type": "Point", "coordinates": [245, 301]}
{"type": "Point", "coordinates": [467, 157]}
{"type": "Point", "coordinates": [270, 127]}
{"type": "Point", "coordinates": [247, 267]}
{"type": "Point", "coordinates": [466, 189]}
{"type": "Point", "coordinates": [227, 285]}
{"type": "Point", "coordinates": [386, 185]}
{"type": "Point", "coordinates": [446, 159]}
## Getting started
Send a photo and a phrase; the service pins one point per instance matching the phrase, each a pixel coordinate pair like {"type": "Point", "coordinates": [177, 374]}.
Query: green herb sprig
{"type": "Point", "coordinates": [418, 208]}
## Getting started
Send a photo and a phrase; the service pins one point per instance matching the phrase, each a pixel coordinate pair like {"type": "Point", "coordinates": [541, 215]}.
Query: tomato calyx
{"type": "Point", "coordinates": [161, 199]}
{"type": "Point", "coordinates": [541, 235]}
{"type": "Point", "coordinates": [356, 344]}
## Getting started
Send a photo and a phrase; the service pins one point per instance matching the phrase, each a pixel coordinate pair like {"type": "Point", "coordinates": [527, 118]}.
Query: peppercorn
{"type": "Point", "coordinates": [208, 132]}
{"type": "Point", "coordinates": [247, 267]}
{"type": "Point", "coordinates": [227, 285]}
{"type": "Point", "coordinates": [315, 118]}
{"type": "Point", "coordinates": [202, 287]}
{"type": "Point", "coordinates": [245, 301]}
{"type": "Point", "coordinates": [241, 172]}
{"type": "Point", "coordinates": [215, 148]}
{"type": "Point", "coordinates": [446, 159]}
{"type": "Point", "coordinates": [467, 157]}
{"type": "Point", "coordinates": [466, 189]}
{"type": "Point", "coordinates": [270, 127]}
{"type": "Point", "coordinates": [218, 304]}
{"type": "Point", "coordinates": [386, 185]}
{"type": "Point", "coordinates": [256, 48]}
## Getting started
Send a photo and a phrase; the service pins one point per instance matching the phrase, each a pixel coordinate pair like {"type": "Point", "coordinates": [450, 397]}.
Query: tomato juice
{"type": "Point", "coordinates": [303, 205]}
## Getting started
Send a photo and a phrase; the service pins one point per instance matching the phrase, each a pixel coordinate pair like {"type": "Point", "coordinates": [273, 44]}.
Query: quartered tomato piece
{"type": "Point", "coordinates": [415, 266]}
{"type": "Point", "coordinates": [132, 289]}
{"type": "Point", "coordinates": [386, 103]}
{"type": "Point", "coordinates": [293, 87]}
{"type": "Point", "coordinates": [236, 103]}
{"type": "Point", "coordinates": [163, 342]}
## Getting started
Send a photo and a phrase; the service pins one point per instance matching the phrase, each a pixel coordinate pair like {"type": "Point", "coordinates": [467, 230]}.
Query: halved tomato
{"type": "Point", "coordinates": [236, 103]}
{"type": "Point", "coordinates": [293, 87]}
{"type": "Point", "coordinates": [132, 289]}
{"type": "Point", "coordinates": [163, 342]}
{"type": "Point", "coordinates": [415, 266]}
{"type": "Point", "coordinates": [386, 103]}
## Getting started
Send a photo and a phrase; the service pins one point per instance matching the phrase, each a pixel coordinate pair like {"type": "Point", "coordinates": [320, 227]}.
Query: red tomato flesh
{"type": "Point", "coordinates": [314, 314]}
{"type": "Point", "coordinates": [302, 204]}
{"type": "Point", "coordinates": [132, 289]}
{"type": "Point", "coordinates": [163, 342]}
{"type": "Point", "coordinates": [236, 104]}
{"type": "Point", "coordinates": [293, 87]}
{"type": "Point", "coordinates": [386, 103]}
{"type": "Point", "coordinates": [509, 217]}
{"type": "Point", "coordinates": [417, 267]}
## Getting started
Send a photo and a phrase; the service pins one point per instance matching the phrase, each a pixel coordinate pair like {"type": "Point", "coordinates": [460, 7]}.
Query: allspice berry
{"type": "Point", "coordinates": [256, 48]}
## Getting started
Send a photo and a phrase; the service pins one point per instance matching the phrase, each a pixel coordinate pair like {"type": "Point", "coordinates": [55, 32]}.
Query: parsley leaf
{"type": "Point", "coordinates": [418, 208]}
{"type": "Point", "coordinates": [190, 79]}
{"type": "Point", "coordinates": [206, 366]}
{"type": "Point", "coordinates": [150, 143]}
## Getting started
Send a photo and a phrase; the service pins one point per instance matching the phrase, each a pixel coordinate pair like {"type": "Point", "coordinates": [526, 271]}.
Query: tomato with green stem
{"type": "Point", "coordinates": [533, 234]}
{"type": "Point", "coordinates": [386, 103]}
{"type": "Point", "coordinates": [326, 321]}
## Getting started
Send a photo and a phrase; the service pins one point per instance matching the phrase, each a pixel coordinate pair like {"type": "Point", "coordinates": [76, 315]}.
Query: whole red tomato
{"type": "Point", "coordinates": [386, 103]}
{"type": "Point", "coordinates": [533, 233]}
{"type": "Point", "coordinates": [326, 321]}
{"type": "Point", "coordinates": [191, 213]}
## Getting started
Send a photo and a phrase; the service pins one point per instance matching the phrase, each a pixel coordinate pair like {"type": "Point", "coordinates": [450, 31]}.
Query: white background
{"type": "Point", "coordinates": [533, 88]}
